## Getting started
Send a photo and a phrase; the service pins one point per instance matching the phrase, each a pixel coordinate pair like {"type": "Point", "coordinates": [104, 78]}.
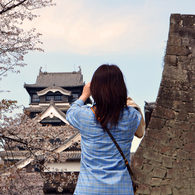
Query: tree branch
{"type": "Point", "coordinates": [11, 7]}
{"type": "Point", "coordinates": [12, 139]}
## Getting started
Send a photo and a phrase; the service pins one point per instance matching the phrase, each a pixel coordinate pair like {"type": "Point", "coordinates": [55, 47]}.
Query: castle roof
{"type": "Point", "coordinates": [60, 79]}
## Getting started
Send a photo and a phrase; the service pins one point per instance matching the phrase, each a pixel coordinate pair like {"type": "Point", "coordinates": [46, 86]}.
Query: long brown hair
{"type": "Point", "coordinates": [109, 92]}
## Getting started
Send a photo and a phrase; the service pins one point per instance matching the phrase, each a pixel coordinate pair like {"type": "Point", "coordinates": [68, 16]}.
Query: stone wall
{"type": "Point", "coordinates": [165, 160]}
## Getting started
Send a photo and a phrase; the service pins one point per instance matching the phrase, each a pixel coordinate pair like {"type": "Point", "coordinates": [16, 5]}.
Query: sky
{"type": "Point", "coordinates": [87, 33]}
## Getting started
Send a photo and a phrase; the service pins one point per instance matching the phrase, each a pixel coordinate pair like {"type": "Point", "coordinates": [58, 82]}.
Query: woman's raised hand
{"type": "Point", "coordinates": [86, 92]}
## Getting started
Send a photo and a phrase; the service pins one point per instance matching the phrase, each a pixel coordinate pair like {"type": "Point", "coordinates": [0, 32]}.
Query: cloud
{"type": "Point", "coordinates": [76, 27]}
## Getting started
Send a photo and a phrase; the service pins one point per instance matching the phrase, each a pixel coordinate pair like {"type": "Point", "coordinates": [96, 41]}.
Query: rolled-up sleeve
{"type": "Point", "coordinates": [74, 112]}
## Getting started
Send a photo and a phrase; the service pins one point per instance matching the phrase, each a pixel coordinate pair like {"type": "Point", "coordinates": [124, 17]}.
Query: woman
{"type": "Point", "coordinates": [103, 170]}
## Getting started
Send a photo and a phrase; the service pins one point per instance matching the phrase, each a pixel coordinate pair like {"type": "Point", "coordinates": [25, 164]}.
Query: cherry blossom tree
{"type": "Point", "coordinates": [15, 42]}
{"type": "Point", "coordinates": [39, 145]}
{"type": "Point", "coordinates": [20, 133]}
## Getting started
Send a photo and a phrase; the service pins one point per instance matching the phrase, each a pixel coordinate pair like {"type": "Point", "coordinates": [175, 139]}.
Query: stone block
{"type": "Point", "coordinates": [173, 124]}
{"type": "Point", "coordinates": [141, 177]}
{"type": "Point", "coordinates": [187, 96]}
{"type": "Point", "coordinates": [182, 32]}
{"type": "Point", "coordinates": [155, 181]}
{"type": "Point", "coordinates": [182, 115]}
{"type": "Point", "coordinates": [192, 118]}
{"type": "Point", "coordinates": [192, 164]}
{"type": "Point", "coordinates": [155, 164]}
{"type": "Point", "coordinates": [156, 123]}
{"type": "Point", "coordinates": [167, 103]}
{"type": "Point", "coordinates": [168, 150]}
{"type": "Point", "coordinates": [168, 82]}
{"type": "Point", "coordinates": [189, 164]}
{"type": "Point", "coordinates": [189, 76]}
{"type": "Point", "coordinates": [172, 173]}
{"type": "Point", "coordinates": [191, 33]}
{"type": "Point", "coordinates": [147, 168]}
{"type": "Point", "coordinates": [178, 164]}
{"type": "Point", "coordinates": [185, 126]}
{"type": "Point", "coordinates": [155, 191]}
{"type": "Point", "coordinates": [190, 137]}
{"type": "Point", "coordinates": [165, 93]}
{"type": "Point", "coordinates": [166, 182]}
{"type": "Point", "coordinates": [166, 189]}
{"type": "Point", "coordinates": [147, 161]}
{"type": "Point", "coordinates": [188, 22]}
{"type": "Point", "coordinates": [193, 128]}
{"type": "Point", "coordinates": [185, 41]}
{"type": "Point", "coordinates": [183, 135]}
{"type": "Point", "coordinates": [179, 51]}
{"type": "Point", "coordinates": [137, 161]}
{"type": "Point", "coordinates": [192, 183]}
{"type": "Point", "coordinates": [178, 183]}
{"type": "Point", "coordinates": [152, 155]}
{"type": "Point", "coordinates": [192, 42]}
{"type": "Point", "coordinates": [159, 137]}
{"type": "Point", "coordinates": [192, 155]}
{"type": "Point", "coordinates": [188, 16]}
{"type": "Point", "coordinates": [192, 59]}
{"type": "Point", "coordinates": [139, 151]}
{"type": "Point", "coordinates": [192, 45]}
{"type": "Point", "coordinates": [185, 173]}
{"type": "Point", "coordinates": [174, 132]}
{"type": "Point", "coordinates": [189, 147]}
{"type": "Point", "coordinates": [183, 154]}
{"type": "Point", "coordinates": [189, 107]}
{"type": "Point", "coordinates": [148, 142]}
{"type": "Point", "coordinates": [177, 105]}
{"type": "Point", "coordinates": [176, 74]}
{"type": "Point", "coordinates": [188, 191]}
{"type": "Point", "coordinates": [187, 182]}
{"type": "Point", "coordinates": [158, 147]}
{"type": "Point", "coordinates": [158, 172]}
{"type": "Point", "coordinates": [175, 19]}
{"type": "Point", "coordinates": [177, 95]}
{"type": "Point", "coordinates": [171, 60]}
{"type": "Point", "coordinates": [163, 113]}
{"type": "Point", "coordinates": [176, 191]}
{"type": "Point", "coordinates": [176, 142]}
{"type": "Point", "coordinates": [146, 179]}
{"type": "Point", "coordinates": [174, 40]}
{"type": "Point", "coordinates": [184, 62]}
{"type": "Point", "coordinates": [167, 162]}
{"type": "Point", "coordinates": [144, 189]}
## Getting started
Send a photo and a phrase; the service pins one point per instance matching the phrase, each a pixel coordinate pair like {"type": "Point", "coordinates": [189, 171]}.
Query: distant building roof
{"type": "Point", "coordinates": [61, 79]}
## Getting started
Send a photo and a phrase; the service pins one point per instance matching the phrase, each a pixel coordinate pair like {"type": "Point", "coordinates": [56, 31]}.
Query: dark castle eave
{"type": "Point", "coordinates": [38, 86]}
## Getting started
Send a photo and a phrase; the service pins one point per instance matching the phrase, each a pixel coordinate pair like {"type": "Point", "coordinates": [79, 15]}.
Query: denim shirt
{"type": "Point", "coordinates": [103, 171]}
